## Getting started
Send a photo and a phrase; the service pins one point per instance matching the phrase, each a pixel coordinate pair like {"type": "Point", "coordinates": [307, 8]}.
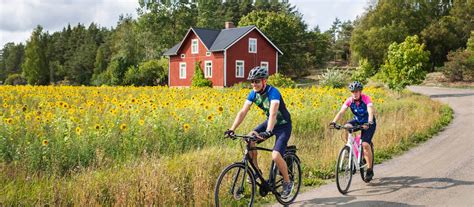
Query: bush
{"type": "Point", "coordinates": [279, 80]}
{"type": "Point", "coordinates": [198, 78]}
{"type": "Point", "coordinates": [406, 64]}
{"type": "Point", "coordinates": [364, 71]}
{"type": "Point", "coordinates": [334, 78]}
{"type": "Point", "coordinates": [241, 85]}
{"type": "Point", "coordinates": [148, 73]}
{"type": "Point", "coordinates": [15, 79]}
{"type": "Point", "coordinates": [460, 66]}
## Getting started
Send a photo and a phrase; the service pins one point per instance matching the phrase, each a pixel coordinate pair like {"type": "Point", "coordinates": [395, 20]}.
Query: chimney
{"type": "Point", "coordinates": [229, 25]}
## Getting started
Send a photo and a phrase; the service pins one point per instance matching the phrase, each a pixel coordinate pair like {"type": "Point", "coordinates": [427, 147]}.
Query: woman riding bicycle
{"type": "Point", "coordinates": [278, 122]}
{"type": "Point", "coordinates": [363, 110]}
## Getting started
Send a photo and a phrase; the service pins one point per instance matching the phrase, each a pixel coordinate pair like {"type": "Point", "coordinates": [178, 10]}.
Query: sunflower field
{"type": "Point", "coordinates": [67, 145]}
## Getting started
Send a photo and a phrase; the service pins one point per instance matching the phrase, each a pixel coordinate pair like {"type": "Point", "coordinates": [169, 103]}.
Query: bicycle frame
{"type": "Point", "coordinates": [247, 161]}
{"type": "Point", "coordinates": [352, 156]}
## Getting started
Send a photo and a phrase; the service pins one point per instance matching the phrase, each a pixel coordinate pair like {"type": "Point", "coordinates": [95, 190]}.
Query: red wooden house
{"type": "Point", "coordinates": [226, 55]}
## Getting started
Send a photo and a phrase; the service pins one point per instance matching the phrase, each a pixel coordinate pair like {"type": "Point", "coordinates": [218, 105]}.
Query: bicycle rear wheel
{"type": "Point", "coordinates": [232, 187]}
{"type": "Point", "coordinates": [294, 172]}
{"type": "Point", "coordinates": [344, 169]}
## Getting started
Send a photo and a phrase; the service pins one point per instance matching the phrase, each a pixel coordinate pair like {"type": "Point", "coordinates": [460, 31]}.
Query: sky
{"type": "Point", "coordinates": [18, 18]}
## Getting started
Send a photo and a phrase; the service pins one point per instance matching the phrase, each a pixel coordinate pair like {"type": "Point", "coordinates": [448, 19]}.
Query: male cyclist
{"type": "Point", "coordinates": [363, 110]}
{"type": "Point", "coordinates": [278, 122]}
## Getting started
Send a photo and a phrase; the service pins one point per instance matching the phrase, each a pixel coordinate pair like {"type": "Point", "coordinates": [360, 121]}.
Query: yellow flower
{"type": "Point", "coordinates": [97, 126]}
{"type": "Point", "coordinates": [123, 127]}
{"type": "Point", "coordinates": [220, 109]}
{"type": "Point", "coordinates": [141, 122]}
{"type": "Point", "coordinates": [45, 142]}
{"type": "Point", "coordinates": [78, 130]}
{"type": "Point", "coordinates": [186, 127]}
{"type": "Point", "coordinates": [210, 118]}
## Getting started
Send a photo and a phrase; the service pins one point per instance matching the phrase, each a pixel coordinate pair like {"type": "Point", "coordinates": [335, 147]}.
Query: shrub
{"type": "Point", "coordinates": [279, 80]}
{"type": "Point", "coordinates": [364, 71]}
{"type": "Point", "coordinates": [198, 78]}
{"type": "Point", "coordinates": [460, 66]}
{"type": "Point", "coordinates": [152, 72]}
{"type": "Point", "coordinates": [15, 79]}
{"type": "Point", "coordinates": [406, 63]}
{"type": "Point", "coordinates": [334, 78]}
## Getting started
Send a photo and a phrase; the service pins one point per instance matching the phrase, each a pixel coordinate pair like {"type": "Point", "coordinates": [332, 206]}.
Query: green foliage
{"type": "Point", "coordinates": [460, 66]}
{"type": "Point", "coordinates": [153, 72]}
{"type": "Point", "coordinates": [241, 85]}
{"type": "Point", "coordinates": [283, 29]}
{"type": "Point", "coordinates": [279, 80]}
{"type": "Point", "coordinates": [364, 71]}
{"type": "Point", "coordinates": [15, 79]}
{"type": "Point", "coordinates": [470, 42]}
{"type": "Point", "coordinates": [334, 78]}
{"type": "Point", "coordinates": [35, 67]}
{"type": "Point", "coordinates": [198, 78]}
{"type": "Point", "coordinates": [406, 64]}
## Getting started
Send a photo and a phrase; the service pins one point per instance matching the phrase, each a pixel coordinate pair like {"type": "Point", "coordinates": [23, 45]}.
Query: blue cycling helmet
{"type": "Point", "coordinates": [356, 86]}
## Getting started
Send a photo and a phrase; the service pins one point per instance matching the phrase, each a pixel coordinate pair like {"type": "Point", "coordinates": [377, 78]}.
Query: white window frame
{"type": "Point", "coordinates": [182, 73]}
{"type": "Point", "coordinates": [208, 53]}
{"type": "Point", "coordinates": [208, 70]}
{"type": "Point", "coordinates": [237, 69]}
{"type": "Point", "coordinates": [250, 45]}
{"type": "Point", "coordinates": [194, 46]}
{"type": "Point", "coordinates": [265, 62]}
{"type": "Point", "coordinates": [183, 55]}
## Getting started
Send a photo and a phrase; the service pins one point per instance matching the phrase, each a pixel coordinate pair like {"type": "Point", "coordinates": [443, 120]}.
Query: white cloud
{"type": "Point", "coordinates": [19, 17]}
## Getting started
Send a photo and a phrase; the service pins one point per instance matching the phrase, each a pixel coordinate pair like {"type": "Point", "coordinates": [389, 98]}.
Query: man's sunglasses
{"type": "Point", "coordinates": [256, 81]}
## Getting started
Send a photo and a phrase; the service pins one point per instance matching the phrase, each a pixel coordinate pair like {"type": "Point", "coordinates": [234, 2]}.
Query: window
{"type": "Point", "coordinates": [183, 55]}
{"type": "Point", "coordinates": [208, 53]}
{"type": "Point", "coordinates": [182, 70]}
{"type": "Point", "coordinates": [208, 69]}
{"type": "Point", "coordinates": [239, 68]}
{"type": "Point", "coordinates": [252, 45]}
{"type": "Point", "coordinates": [194, 46]}
{"type": "Point", "coordinates": [264, 64]}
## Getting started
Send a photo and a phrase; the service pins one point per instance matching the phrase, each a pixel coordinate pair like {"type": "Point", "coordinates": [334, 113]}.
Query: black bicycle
{"type": "Point", "coordinates": [237, 183]}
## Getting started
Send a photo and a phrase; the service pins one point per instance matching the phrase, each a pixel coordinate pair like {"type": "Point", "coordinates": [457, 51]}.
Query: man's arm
{"type": "Point", "coordinates": [241, 115]}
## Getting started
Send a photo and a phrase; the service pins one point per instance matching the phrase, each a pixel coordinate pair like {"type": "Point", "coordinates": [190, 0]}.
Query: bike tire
{"type": "Point", "coordinates": [342, 170]}
{"type": "Point", "coordinates": [232, 200]}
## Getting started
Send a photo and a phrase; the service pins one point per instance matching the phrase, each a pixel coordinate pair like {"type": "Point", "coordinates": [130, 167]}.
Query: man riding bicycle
{"type": "Point", "coordinates": [278, 122]}
{"type": "Point", "coordinates": [363, 110]}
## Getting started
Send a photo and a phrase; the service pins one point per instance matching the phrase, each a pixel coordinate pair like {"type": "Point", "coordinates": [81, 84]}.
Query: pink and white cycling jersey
{"type": "Point", "coordinates": [359, 108]}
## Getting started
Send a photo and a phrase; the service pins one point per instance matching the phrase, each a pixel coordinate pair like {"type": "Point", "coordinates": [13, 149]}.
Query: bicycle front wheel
{"type": "Point", "coordinates": [235, 186]}
{"type": "Point", "coordinates": [344, 169]}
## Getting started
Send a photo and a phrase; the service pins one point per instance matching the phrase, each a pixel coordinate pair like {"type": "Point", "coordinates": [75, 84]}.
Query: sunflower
{"type": "Point", "coordinates": [45, 142]}
{"type": "Point", "coordinates": [220, 109]}
{"type": "Point", "coordinates": [97, 126]}
{"type": "Point", "coordinates": [78, 130]}
{"type": "Point", "coordinates": [186, 127]}
{"type": "Point", "coordinates": [123, 127]}
{"type": "Point", "coordinates": [210, 117]}
{"type": "Point", "coordinates": [141, 122]}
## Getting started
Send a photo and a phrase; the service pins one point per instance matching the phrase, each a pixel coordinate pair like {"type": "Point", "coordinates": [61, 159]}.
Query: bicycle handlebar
{"type": "Point", "coordinates": [353, 128]}
{"type": "Point", "coordinates": [252, 138]}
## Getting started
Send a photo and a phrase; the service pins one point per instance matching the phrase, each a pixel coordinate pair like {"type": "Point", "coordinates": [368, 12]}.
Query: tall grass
{"type": "Point", "coordinates": [171, 150]}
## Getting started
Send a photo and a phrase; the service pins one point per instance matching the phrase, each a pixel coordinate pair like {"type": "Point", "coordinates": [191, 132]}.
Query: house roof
{"type": "Point", "coordinates": [218, 40]}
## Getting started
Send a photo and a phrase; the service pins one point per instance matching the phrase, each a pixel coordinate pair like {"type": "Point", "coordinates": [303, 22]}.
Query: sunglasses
{"type": "Point", "coordinates": [256, 81]}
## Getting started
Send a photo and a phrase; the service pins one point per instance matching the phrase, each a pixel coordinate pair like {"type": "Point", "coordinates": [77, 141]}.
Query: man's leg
{"type": "Point", "coordinates": [281, 164]}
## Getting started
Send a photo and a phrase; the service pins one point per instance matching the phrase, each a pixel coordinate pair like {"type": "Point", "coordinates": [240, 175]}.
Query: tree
{"type": "Point", "coordinates": [286, 30]}
{"type": "Point", "coordinates": [406, 63]}
{"type": "Point", "coordinates": [10, 59]}
{"type": "Point", "coordinates": [364, 71]}
{"type": "Point", "coordinates": [35, 67]}
{"type": "Point", "coordinates": [198, 78]}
